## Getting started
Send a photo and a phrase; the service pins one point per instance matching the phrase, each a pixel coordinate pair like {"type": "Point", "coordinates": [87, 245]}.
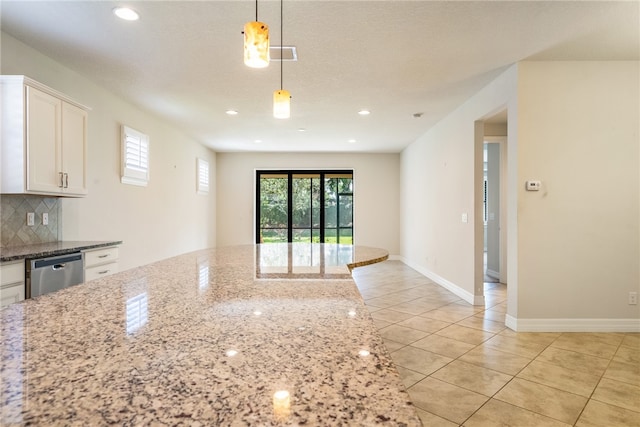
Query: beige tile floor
{"type": "Point", "coordinates": [462, 366]}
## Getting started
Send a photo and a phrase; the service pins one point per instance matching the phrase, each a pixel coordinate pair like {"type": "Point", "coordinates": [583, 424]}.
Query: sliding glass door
{"type": "Point", "coordinates": [338, 207]}
{"type": "Point", "coordinates": [304, 206]}
{"type": "Point", "coordinates": [273, 206]}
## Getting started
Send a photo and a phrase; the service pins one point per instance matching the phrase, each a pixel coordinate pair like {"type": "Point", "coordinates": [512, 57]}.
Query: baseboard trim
{"type": "Point", "coordinates": [572, 325]}
{"type": "Point", "coordinates": [511, 322]}
{"type": "Point", "coordinates": [450, 286]}
{"type": "Point", "coordinates": [493, 274]}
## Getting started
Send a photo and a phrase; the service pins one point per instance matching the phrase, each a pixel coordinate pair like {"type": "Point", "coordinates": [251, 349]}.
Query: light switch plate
{"type": "Point", "coordinates": [45, 218]}
{"type": "Point", "coordinates": [31, 218]}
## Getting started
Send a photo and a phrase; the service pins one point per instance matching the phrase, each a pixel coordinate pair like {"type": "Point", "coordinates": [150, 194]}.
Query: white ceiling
{"type": "Point", "coordinates": [183, 60]}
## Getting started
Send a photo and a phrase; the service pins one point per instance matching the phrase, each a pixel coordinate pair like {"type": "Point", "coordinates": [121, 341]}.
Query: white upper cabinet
{"type": "Point", "coordinates": [74, 148]}
{"type": "Point", "coordinates": [44, 140]}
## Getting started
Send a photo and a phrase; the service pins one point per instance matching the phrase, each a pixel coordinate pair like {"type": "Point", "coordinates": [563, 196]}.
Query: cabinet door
{"type": "Point", "coordinates": [74, 149]}
{"type": "Point", "coordinates": [44, 138]}
{"type": "Point", "coordinates": [11, 294]}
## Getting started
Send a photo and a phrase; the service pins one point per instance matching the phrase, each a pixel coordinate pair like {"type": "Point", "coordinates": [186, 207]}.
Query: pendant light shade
{"type": "Point", "coordinates": [281, 98]}
{"type": "Point", "coordinates": [281, 104]}
{"type": "Point", "coordinates": [256, 44]}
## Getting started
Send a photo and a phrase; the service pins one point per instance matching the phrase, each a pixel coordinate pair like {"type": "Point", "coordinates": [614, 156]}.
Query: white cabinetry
{"type": "Point", "coordinates": [11, 282]}
{"type": "Point", "coordinates": [44, 140]}
{"type": "Point", "coordinates": [100, 262]}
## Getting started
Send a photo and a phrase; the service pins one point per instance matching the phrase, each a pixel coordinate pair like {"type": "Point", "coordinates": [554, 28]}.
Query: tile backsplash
{"type": "Point", "coordinates": [13, 217]}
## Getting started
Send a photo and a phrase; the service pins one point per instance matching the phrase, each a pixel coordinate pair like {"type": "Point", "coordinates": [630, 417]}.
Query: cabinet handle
{"type": "Point", "coordinates": [103, 272]}
{"type": "Point", "coordinates": [66, 180]}
{"type": "Point", "coordinates": [103, 256]}
{"type": "Point", "coordinates": [61, 180]}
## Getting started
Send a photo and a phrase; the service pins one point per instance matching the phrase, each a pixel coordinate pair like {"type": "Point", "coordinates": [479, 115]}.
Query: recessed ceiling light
{"type": "Point", "coordinates": [232, 112]}
{"type": "Point", "coordinates": [364, 112]}
{"type": "Point", "coordinates": [302, 130]}
{"type": "Point", "coordinates": [258, 141]}
{"type": "Point", "coordinates": [126, 13]}
{"type": "Point", "coordinates": [351, 141]}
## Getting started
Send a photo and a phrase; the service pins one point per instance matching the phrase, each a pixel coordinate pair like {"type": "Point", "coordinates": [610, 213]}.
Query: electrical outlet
{"type": "Point", "coordinates": [633, 298]}
{"type": "Point", "coordinates": [31, 218]}
{"type": "Point", "coordinates": [45, 218]}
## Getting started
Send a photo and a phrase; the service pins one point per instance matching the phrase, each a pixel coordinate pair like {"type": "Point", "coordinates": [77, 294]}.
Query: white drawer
{"type": "Point", "coordinates": [11, 293]}
{"type": "Point", "coordinates": [12, 272]}
{"type": "Point", "coordinates": [98, 271]}
{"type": "Point", "coordinates": [100, 256]}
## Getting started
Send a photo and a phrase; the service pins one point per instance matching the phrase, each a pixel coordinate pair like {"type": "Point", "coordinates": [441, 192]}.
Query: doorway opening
{"type": "Point", "coordinates": [313, 206]}
{"type": "Point", "coordinates": [490, 259]}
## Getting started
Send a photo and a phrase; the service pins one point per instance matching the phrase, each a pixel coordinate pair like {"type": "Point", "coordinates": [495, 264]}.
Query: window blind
{"type": "Point", "coordinates": [135, 157]}
{"type": "Point", "coordinates": [202, 171]}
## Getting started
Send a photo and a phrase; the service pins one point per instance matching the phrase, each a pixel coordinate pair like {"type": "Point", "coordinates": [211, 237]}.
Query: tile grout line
{"type": "Point", "coordinates": [536, 358]}
{"type": "Point", "coordinates": [508, 382]}
{"type": "Point", "coordinates": [599, 381]}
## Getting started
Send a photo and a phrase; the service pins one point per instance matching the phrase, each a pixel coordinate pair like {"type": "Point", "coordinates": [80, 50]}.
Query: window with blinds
{"type": "Point", "coordinates": [135, 157]}
{"type": "Point", "coordinates": [202, 176]}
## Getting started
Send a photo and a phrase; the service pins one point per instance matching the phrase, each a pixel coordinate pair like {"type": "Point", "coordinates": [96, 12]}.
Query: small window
{"type": "Point", "coordinates": [202, 178]}
{"type": "Point", "coordinates": [135, 157]}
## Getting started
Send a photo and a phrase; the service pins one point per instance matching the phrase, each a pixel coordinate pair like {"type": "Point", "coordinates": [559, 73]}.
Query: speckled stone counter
{"type": "Point", "coordinates": [203, 339]}
{"type": "Point", "coordinates": [12, 253]}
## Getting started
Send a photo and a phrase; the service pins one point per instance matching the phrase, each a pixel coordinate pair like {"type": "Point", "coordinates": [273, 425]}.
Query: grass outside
{"type": "Point", "coordinates": [273, 236]}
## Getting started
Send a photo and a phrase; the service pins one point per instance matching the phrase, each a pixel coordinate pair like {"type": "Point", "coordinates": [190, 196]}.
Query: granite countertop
{"type": "Point", "coordinates": [203, 339]}
{"type": "Point", "coordinates": [13, 253]}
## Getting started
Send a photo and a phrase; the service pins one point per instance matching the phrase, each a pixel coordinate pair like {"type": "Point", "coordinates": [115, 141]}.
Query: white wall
{"type": "Point", "coordinates": [439, 176]}
{"type": "Point", "coordinates": [155, 222]}
{"type": "Point", "coordinates": [376, 184]}
{"type": "Point", "coordinates": [579, 237]}
{"type": "Point", "coordinates": [574, 247]}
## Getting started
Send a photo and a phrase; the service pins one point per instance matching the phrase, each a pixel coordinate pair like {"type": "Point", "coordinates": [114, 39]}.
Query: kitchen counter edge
{"type": "Point", "coordinates": [16, 253]}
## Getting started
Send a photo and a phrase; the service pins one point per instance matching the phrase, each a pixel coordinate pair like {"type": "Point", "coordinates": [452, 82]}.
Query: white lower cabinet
{"type": "Point", "coordinates": [11, 282]}
{"type": "Point", "coordinates": [100, 262]}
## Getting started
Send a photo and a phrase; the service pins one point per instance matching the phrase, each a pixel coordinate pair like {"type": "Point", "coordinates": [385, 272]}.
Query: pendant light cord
{"type": "Point", "coordinates": [281, 52]}
{"type": "Point", "coordinates": [256, 10]}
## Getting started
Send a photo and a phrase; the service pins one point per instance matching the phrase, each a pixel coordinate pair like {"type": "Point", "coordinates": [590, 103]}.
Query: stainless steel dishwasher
{"type": "Point", "coordinates": [50, 274]}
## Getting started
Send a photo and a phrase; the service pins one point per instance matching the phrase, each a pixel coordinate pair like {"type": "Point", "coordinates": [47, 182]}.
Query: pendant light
{"type": "Point", "coordinates": [281, 98]}
{"type": "Point", "coordinates": [256, 43]}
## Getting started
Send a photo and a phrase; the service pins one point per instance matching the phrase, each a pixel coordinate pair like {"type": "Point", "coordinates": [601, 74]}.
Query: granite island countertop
{"type": "Point", "coordinates": [39, 250]}
{"type": "Point", "coordinates": [209, 338]}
